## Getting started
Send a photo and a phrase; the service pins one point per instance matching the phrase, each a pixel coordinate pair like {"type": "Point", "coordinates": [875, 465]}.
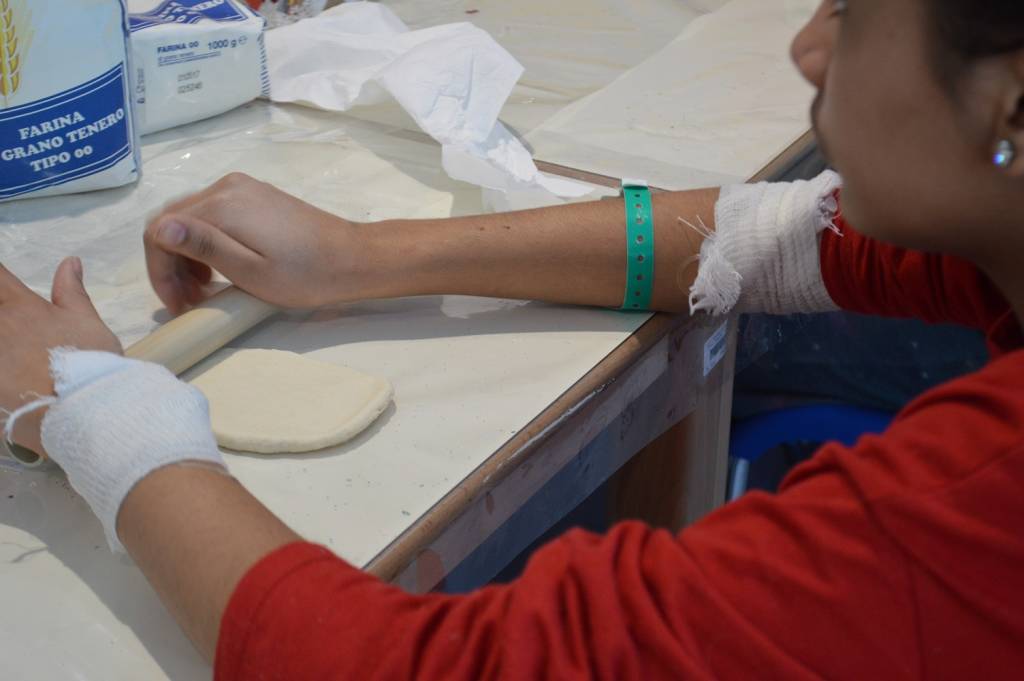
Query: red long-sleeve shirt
{"type": "Point", "coordinates": [901, 557]}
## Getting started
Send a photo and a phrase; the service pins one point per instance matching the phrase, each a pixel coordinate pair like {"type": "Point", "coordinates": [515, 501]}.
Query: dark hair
{"type": "Point", "coordinates": [972, 29]}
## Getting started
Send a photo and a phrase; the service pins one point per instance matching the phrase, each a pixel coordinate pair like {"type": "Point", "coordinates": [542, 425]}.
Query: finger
{"type": "Point", "coordinates": [10, 286]}
{"type": "Point", "coordinates": [202, 273]}
{"type": "Point", "coordinates": [178, 241]}
{"type": "Point", "coordinates": [193, 277]}
{"type": "Point", "coordinates": [69, 290]}
{"type": "Point", "coordinates": [198, 276]}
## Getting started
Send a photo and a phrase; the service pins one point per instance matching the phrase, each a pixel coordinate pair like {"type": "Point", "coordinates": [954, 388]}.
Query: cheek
{"type": "Point", "coordinates": [848, 141]}
{"type": "Point", "coordinates": [875, 139]}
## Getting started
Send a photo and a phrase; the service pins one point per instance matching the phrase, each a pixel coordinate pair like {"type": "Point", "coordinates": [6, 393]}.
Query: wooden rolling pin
{"type": "Point", "coordinates": [185, 341]}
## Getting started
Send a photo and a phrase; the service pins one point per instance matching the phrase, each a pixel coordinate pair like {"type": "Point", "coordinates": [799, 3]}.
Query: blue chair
{"type": "Point", "coordinates": [757, 435]}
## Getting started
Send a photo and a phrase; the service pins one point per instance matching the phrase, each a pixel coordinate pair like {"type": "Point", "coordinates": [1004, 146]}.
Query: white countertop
{"type": "Point", "coordinates": [725, 85]}
{"type": "Point", "coordinates": [468, 372]}
{"type": "Point", "coordinates": [569, 48]}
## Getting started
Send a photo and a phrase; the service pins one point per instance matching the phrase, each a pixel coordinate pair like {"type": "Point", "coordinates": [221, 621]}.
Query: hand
{"type": "Point", "coordinates": [30, 327]}
{"type": "Point", "coordinates": [265, 241]}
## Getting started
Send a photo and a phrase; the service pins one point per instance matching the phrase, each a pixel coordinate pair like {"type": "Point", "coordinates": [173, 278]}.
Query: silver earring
{"type": "Point", "coordinates": [1005, 154]}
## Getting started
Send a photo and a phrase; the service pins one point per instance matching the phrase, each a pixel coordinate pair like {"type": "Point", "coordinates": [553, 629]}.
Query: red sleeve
{"type": "Point", "coordinates": [897, 559]}
{"type": "Point", "coordinates": [636, 604]}
{"type": "Point", "coordinates": [810, 584]}
{"type": "Point", "coordinates": [867, 276]}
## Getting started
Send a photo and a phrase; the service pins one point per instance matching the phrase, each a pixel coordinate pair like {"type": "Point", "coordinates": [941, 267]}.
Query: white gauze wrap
{"type": "Point", "coordinates": [764, 253]}
{"type": "Point", "coordinates": [117, 420]}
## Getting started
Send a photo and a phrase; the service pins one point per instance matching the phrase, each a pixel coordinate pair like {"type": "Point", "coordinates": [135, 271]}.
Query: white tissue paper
{"type": "Point", "coordinates": [452, 79]}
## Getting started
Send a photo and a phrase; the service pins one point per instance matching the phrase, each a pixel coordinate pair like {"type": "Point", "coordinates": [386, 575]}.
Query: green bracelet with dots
{"type": "Point", "coordinates": [639, 246]}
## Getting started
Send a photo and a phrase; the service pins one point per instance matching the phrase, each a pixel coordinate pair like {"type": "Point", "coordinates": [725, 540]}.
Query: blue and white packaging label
{"type": "Point", "coordinates": [187, 12]}
{"type": "Point", "coordinates": [194, 59]}
{"type": "Point", "coordinates": [65, 115]}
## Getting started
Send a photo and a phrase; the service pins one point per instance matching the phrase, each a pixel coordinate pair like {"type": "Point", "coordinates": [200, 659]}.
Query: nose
{"type": "Point", "coordinates": [811, 50]}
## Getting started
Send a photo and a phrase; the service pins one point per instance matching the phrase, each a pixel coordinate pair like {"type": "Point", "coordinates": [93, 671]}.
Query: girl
{"type": "Point", "coordinates": [899, 558]}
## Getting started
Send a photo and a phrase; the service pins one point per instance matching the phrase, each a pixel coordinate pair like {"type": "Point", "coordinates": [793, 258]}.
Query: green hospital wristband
{"type": "Point", "coordinates": [639, 246]}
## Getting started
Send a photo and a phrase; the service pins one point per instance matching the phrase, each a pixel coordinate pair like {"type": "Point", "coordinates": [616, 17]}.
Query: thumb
{"type": "Point", "coordinates": [68, 289]}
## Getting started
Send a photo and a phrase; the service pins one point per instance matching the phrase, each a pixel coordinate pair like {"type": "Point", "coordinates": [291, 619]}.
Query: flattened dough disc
{"type": "Point", "coordinates": [271, 401]}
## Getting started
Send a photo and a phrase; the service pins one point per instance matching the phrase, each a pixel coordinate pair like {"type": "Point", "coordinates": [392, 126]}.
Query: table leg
{"type": "Point", "coordinates": [681, 476]}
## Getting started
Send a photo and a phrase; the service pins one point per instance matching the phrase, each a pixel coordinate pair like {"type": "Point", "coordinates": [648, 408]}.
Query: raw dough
{"type": "Point", "coordinates": [270, 401]}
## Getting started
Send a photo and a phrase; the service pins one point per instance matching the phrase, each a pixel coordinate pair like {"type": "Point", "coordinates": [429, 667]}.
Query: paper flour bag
{"type": "Point", "coordinates": [65, 121]}
{"type": "Point", "coordinates": [194, 59]}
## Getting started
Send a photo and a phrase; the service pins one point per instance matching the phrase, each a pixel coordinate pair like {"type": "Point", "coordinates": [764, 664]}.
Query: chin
{"type": "Point", "coordinates": [861, 217]}
{"type": "Point", "coordinates": [857, 215]}
{"type": "Point", "coordinates": [850, 209]}
{"type": "Point", "coordinates": [873, 219]}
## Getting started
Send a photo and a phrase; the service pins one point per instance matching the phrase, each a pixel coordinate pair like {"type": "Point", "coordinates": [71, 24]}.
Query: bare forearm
{"type": "Point", "coordinates": [291, 254]}
{"type": "Point", "coordinates": [194, 532]}
{"type": "Point", "coordinates": [568, 254]}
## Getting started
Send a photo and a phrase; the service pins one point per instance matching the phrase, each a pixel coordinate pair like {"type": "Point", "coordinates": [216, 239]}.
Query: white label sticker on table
{"type": "Point", "coordinates": [715, 347]}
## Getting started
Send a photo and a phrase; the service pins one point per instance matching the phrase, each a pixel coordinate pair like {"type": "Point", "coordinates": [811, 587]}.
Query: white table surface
{"type": "Point", "coordinates": [682, 93]}
{"type": "Point", "coordinates": [468, 374]}
{"type": "Point", "coordinates": [569, 48]}
{"type": "Point", "coordinates": [710, 108]}
{"type": "Point", "coordinates": [445, 356]}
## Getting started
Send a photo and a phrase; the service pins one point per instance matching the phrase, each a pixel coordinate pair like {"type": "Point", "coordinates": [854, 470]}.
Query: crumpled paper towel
{"type": "Point", "coordinates": [452, 79]}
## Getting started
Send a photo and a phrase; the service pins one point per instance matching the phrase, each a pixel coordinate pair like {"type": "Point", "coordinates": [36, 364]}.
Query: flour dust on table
{"type": "Point", "coordinates": [275, 402]}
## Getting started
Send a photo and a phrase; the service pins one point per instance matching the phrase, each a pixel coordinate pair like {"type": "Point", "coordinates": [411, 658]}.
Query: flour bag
{"type": "Point", "coordinates": [65, 117]}
{"type": "Point", "coordinates": [194, 59]}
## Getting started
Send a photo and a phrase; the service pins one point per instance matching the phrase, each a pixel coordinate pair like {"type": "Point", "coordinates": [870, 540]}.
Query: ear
{"type": "Point", "coordinates": [1009, 133]}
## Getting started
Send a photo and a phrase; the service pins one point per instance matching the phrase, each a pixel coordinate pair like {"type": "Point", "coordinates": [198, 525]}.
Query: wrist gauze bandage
{"type": "Point", "coordinates": [764, 253]}
{"type": "Point", "coordinates": [114, 421]}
